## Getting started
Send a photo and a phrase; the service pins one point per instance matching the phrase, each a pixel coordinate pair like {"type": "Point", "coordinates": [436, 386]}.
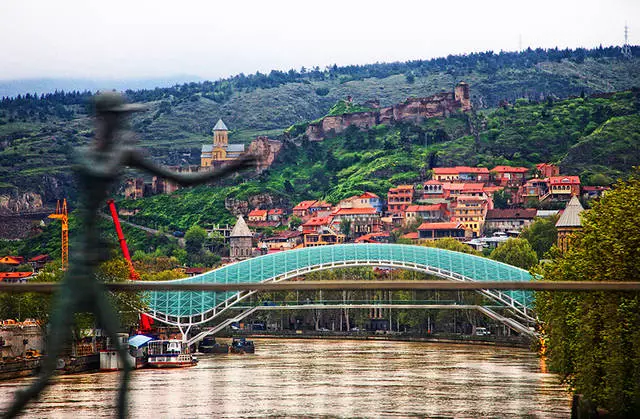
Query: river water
{"type": "Point", "coordinates": [322, 378]}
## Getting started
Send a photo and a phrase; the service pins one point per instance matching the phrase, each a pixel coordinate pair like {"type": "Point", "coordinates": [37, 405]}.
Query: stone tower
{"type": "Point", "coordinates": [240, 240]}
{"type": "Point", "coordinates": [461, 94]}
{"type": "Point", "coordinates": [569, 223]}
{"type": "Point", "coordinates": [220, 140]}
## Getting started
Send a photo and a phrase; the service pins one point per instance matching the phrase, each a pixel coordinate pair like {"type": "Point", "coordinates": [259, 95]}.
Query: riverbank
{"type": "Point", "coordinates": [27, 367]}
{"type": "Point", "coordinates": [510, 342]}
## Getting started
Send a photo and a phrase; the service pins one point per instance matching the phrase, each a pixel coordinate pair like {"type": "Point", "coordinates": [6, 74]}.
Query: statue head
{"type": "Point", "coordinates": [114, 102]}
{"type": "Point", "coordinates": [110, 108]}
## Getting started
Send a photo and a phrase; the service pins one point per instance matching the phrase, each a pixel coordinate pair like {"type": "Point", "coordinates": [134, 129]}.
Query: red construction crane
{"type": "Point", "coordinates": [145, 321]}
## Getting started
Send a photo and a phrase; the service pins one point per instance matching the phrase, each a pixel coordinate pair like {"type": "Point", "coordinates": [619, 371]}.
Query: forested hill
{"type": "Point", "coordinates": [38, 132]}
{"type": "Point", "coordinates": [594, 137]}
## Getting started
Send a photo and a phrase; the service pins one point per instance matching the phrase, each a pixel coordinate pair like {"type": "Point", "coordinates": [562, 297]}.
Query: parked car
{"type": "Point", "coordinates": [482, 331]}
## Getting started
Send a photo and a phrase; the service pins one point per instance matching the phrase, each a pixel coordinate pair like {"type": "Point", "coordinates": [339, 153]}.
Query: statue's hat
{"type": "Point", "coordinates": [110, 101]}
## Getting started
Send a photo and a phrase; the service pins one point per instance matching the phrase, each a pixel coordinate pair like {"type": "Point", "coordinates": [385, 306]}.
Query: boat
{"type": "Point", "coordinates": [169, 354]}
{"type": "Point", "coordinates": [136, 353]}
{"type": "Point", "coordinates": [242, 346]}
{"type": "Point", "coordinates": [208, 345]}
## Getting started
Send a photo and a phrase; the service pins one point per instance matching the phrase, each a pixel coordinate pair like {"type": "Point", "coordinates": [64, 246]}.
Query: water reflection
{"type": "Point", "coordinates": [322, 378]}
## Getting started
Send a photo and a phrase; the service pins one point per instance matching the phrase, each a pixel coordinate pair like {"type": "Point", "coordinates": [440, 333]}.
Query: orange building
{"type": "Point", "coordinates": [509, 176]}
{"type": "Point", "coordinates": [399, 198]}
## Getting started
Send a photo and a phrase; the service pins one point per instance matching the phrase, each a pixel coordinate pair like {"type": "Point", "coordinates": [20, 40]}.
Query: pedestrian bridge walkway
{"type": "Point", "coordinates": [187, 308]}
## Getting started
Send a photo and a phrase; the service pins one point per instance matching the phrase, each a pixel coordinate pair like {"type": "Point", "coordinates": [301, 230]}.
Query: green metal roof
{"type": "Point", "coordinates": [281, 265]}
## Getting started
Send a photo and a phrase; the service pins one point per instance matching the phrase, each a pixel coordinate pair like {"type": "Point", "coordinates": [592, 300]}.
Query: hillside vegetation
{"type": "Point", "coordinates": [357, 161]}
{"type": "Point", "coordinates": [39, 132]}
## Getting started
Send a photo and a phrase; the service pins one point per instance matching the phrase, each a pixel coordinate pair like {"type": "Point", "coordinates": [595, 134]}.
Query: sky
{"type": "Point", "coordinates": [213, 39]}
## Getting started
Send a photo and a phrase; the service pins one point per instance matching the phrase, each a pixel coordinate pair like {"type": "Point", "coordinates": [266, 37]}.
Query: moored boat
{"type": "Point", "coordinates": [136, 353]}
{"type": "Point", "coordinates": [242, 346]}
{"type": "Point", "coordinates": [208, 345]}
{"type": "Point", "coordinates": [169, 354]}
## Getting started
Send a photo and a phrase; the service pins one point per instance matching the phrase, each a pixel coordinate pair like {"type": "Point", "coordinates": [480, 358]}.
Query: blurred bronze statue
{"type": "Point", "coordinates": [97, 169]}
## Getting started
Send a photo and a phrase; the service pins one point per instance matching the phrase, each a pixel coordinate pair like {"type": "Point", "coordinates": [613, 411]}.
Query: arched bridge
{"type": "Point", "coordinates": [186, 308]}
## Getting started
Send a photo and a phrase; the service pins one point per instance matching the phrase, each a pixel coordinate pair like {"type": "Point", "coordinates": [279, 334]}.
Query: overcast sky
{"type": "Point", "coordinates": [213, 39]}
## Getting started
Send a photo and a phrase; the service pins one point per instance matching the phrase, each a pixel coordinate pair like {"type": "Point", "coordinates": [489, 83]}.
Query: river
{"type": "Point", "coordinates": [322, 378]}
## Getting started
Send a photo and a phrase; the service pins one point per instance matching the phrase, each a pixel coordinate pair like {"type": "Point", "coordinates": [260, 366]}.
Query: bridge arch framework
{"type": "Point", "coordinates": [190, 308]}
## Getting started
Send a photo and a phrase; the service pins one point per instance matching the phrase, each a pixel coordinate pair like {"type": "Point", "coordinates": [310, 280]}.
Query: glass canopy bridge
{"type": "Point", "coordinates": [189, 308]}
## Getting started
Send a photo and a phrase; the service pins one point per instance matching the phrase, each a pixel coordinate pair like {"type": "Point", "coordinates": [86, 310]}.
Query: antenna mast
{"type": "Point", "coordinates": [626, 49]}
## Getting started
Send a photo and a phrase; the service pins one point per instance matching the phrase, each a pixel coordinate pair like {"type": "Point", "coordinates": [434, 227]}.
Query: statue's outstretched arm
{"type": "Point", "coordinates": [138, 160]}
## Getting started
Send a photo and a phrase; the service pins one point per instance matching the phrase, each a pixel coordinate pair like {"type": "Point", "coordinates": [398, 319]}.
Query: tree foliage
{"type": "Point", "coordinates": [194, 239]}
{"type": "Point", "coordinates": [594, 338]}
{"type": "Point", "coordinates": [451, 244]}
{"type": "Point", "coordinates": [541, 235]}
{"type": "Point", "coordinates": [516, 252]}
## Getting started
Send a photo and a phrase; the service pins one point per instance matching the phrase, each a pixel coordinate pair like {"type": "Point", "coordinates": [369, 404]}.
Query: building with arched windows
{"type": "Point", "coordinates": [240, 240]}
{"type": "Point", "coordinates": [220, 151]}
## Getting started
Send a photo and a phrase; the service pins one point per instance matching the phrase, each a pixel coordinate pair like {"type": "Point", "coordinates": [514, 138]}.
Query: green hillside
{"type": "Point", "coordinates": [39, 132]}
{"type": "Point", "coordinates": [374, 160]}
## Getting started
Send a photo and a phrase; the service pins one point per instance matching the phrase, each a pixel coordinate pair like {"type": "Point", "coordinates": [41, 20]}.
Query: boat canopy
{"type": "Point", "coordinates": [139, 340]}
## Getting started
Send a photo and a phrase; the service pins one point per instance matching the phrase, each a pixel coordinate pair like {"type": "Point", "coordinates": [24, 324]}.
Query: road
{"type": "Point", "coordinates": [181, 241]}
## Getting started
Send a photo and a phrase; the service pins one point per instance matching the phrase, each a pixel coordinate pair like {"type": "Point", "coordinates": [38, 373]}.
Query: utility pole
{"type": "Point", "coordinates": [626, 48]}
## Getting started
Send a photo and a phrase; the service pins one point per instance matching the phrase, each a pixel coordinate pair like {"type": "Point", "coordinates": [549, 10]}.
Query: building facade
{"type": "Point", "coordinates": [220, 151]}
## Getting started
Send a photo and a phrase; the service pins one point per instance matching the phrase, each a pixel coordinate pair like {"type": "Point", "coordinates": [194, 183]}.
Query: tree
{"type": "Point", "coordinates": [194, 239]}
{"type": "Point", "coordinates": [541, 235]}
{"type": "Point", "coordinates": [451, 244]}
{"type": "Point", "coordinates": [410, 78]}
{"type": "Point", "coordinates": [501, 199]}
{"type": "Point", "coordinates": [516, 252]}
{"type": "Point", "coordinates": [594, 338]}
{"type": "Point", "coordinates": [294, 222]}
{"type": "Point", "coordinates": [345, 227]}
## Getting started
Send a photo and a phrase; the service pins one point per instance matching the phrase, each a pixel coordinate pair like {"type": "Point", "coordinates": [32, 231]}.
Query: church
{"type": "Point", "coordinates": [220, 151]}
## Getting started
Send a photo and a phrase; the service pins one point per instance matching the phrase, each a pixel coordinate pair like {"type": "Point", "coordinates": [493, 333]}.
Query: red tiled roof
{"type": "Point", "coordinates": [304, 205]}
{"type": "Point", "coordinates": [411, 236]}
{"type": "Point", "coordinates": [494, 214]}
{"type": "Point", "coordinates": [433, 182]}
{"type": "Point", "coordinates": [351, 211]}
{"type": "Point", "coordinates": [471, 198]}
{"type": "Point", "coordinates": [453, 186]}
{"type": "Point", "coordinates": [564, 180]}
{"type": "Point", "coordinates": [371, 237]}
{"type": "Point", "coordinates": [258, 213]}
{"type": "Point", "coordinates": [509, 169]}
{"type": "Point", "coordinates": [368, 195]}
{"type": "Point", "coordinates": [492, 189]}
{"type": "Point", "coordinates": [321, 204]}
{"type": "Point", "coordinates": [316, 221]}
{"type": "Point", "coordinates": [276, 211]}
{"type": "Point", "coordinates": [440, 226]}
{"type": "Point", "coordinates": [39, 258]}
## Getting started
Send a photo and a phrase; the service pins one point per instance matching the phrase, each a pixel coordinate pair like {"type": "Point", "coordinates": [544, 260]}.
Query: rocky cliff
{"type": "Point", "coordinates": [266, 150]}
{"type": "Point", "coordinates": [411, 110]}
{"type": "Point", "coordinates": [11, 204]}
